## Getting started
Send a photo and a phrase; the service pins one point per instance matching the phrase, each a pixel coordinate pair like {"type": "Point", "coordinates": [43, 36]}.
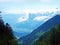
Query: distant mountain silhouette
{"type": "Point", "coordinates": [27, 25]}
{"type": "Point", "coordinates": [19, 34]}
{"type": "Point", "coordinates": [26, 40]}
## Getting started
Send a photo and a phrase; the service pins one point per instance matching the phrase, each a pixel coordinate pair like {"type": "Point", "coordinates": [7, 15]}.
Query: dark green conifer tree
{"type": "Point", "coordinates": [6, 34]}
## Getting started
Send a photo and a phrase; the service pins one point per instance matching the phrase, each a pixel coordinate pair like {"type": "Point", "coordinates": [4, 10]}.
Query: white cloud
{"type": "Point", "coordinates": [22, 19]}
{"type": "Point", "coordinates": [8, 0]}
{"type": "Point", "coordinates": [13, 0]}
{"type": "Point", "coordinates": [13, 11]}
{"type": "Point", "coordinates": [27, 11]}
{"type": "Point", "coordinates": [23, 0]}
{"type": "Point", "coordinates": [42, 18]}
{"type": "Point", "coordinates": [45, 0]}
{"type": "Point", "coordinates": [4, 0]}
{"type": "Point", "coordinates": [17, 11]}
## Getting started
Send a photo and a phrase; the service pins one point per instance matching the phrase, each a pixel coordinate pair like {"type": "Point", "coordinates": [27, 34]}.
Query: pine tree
{"type": "Point", "coordinates": [6, 34]}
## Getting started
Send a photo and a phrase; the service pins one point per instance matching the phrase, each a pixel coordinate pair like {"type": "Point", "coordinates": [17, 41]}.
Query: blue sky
{"type": "Point", "coordinates": [26, 6]}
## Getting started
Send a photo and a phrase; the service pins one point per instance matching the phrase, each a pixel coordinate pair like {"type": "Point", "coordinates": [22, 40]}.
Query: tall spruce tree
{"type": "Point", "coordinates": [6, 34]}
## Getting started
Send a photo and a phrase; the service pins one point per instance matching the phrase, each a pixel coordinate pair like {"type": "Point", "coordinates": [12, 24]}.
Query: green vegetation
{"type": "Point", "coordinates": [51, 37]}
{"type": "Point", "coordinates": [6, 34]}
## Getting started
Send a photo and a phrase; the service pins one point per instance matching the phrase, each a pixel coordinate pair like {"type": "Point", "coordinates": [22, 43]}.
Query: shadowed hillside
{"type": "Point", "coordinates": [26, 40]}
{"type": "Point", "coordinates": [51, 37]}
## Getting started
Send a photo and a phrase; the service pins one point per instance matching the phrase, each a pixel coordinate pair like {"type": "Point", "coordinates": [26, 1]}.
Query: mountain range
{"type": "Point", "coordinates": [51, 37]}
{"type": "Point", "coordinates": [26, 40]}
{"type": "Point", "coordinates": [26, 27]}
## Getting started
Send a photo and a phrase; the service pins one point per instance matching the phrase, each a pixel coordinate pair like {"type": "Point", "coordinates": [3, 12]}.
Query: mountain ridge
{"type": "Point", "coordinates": [44, 27]}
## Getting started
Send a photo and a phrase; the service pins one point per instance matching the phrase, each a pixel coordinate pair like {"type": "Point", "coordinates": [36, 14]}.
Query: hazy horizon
{"type": "Point", "coordinates": [28, 6]}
